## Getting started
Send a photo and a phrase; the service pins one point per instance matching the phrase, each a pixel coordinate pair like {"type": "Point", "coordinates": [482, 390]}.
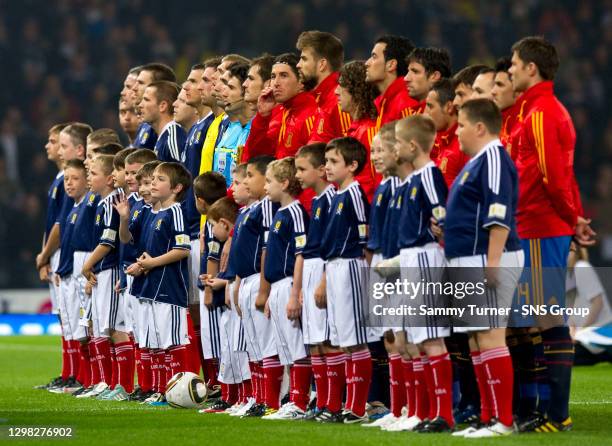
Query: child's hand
{"type": "Point", "coordinates": [56, 279]}
{"type": "Point", "coordinates": [320, 295]}
{"type": "Point", "coordinates": [260, 302]}
{"type": "Point", "coordinates": [88, 288]}
{"type": "Point", "coordinates": [89, 275]}
{"type": "Point", "coordinates": [203, 278]}
{"type": "Point", "coordinates": [44, 273]}
{"type": "Point", "coordinates": [123, 208]}
{"type": "Point", "coordinates": [266, 311]}
{"type": "Point", "coordinates": [225, 255]}
{"type": "Point", "coordinates": [437, 230]}
{"type": "Point", "coordinates": [216, 283]}
{"type": "Point", "coordinates": [134, 270]}
{"type": "Point", "coordinates": [118, 286]}
{"type": "Point", "coordinates": [146, 262]}
{"type": "Point", "coordinates": [208, 298]}
{"type": "Point", "coordinates": [294, 309]}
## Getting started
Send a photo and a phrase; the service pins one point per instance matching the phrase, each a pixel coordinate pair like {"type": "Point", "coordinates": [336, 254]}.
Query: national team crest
{"type": "Point", "coordinates": [378, 199]}
{"type": "Point", "coordinates": [145, 136]}
{"type": "Point", "coordinates": [92, 197]}
{"type": "Point", "coordinates": [413, 193]}
{"type": "Point", "coordinates": [135, 216]}
{"type": "Point", "coordinates": [318, 213]}
{"type": "Point", "coordinates": [98, 220]}
{"type": "Point", "coordinates": [54, 193]}
{"type": "Point", "coordinates": [277, 226]}
{"type": "Point", "coordinates": [73, 219]}
{"type": "Point", "coordinates": [399, 202]}
{"type": "Point", "coordinates": [158, 224]}
{"type": "Point", "coordinates": [320, 127]}
{"type": "Point", "coordinates": [288, 140]}
{"type": "Point", "coordinates": [339, 208]}
{"type": "Point", "coordinates": [198, 135]}
{"type": "Point", "coordinates": [443, 164]}
{"type": "Point", "coordinates": [464, 177]}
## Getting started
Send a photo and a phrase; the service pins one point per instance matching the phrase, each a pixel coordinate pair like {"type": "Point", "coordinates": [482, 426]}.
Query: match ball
{"type": "Point", "coordinates": [186, 390]}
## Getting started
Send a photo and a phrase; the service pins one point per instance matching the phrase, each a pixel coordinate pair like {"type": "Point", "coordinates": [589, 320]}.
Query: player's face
{"type": "Point", "coordinates": [435, 111]}
{"type": "Point", "coordinates": [67, 149]}
{"type": "Point", "coordinates": [466, 133]}
{"type": "Point", "coordinates": [232, 93]}
{"type": "Point", "coordinates": [307, 65]}
{"type": "Point", "coordinates": [462, 94]}
{"type": "Point", "coordinates": [417, 81]}
{"type": "Point", "coordinates": [221, 229]}
{"type": "Point", "coordinates": [284, 82]}
{"type": "Point", "coordinates": [161, 187]}
{"type": "Point", "coordinates": [387, 157]}
{"type": "Point", "coordinates": [502, 92]}
{"type": "Point", "coordinates": [190, 86]}
{"type": "Point", "coordinates": [336, 168]}
{"type": "Point", "coordinates": [218, 88]}
{"type": "Point", "coordinates": [75, 182]}
{"type": "Point", "coordinates": [253, 85]}
{"type": "Point", "coordinates": [118, 177]}
{"type": "Point", "coordinates": [519, 73]}
{"type": "Point", "coordinates": [144, 189]}
{"type": "Point", "coordinates": [127, 117]}
{"type": "Point", "coordinates": [52, 147]}
{"type": "Point", "coordinates": [131, 169]}
{"type": "Point", "coordinates": [205, 86]}
{"type": "Point", "coordinates": [149, 108]}
{"type": "Point", "coordinates": [482, 86]}
{"type": "Point", "coordinates": [375, 65]}
{"type": "Point", "coordinates": [184, 113]}
{"type": "Point", "coordinates": [128, 86]}
{"type": "Point", "coordinates": [241, 194]}
{"type": "Point", "coordinates": [345, 100]}
{"type": "Point", "coordinates": [273, 187]}
{"type": "Point", "coordinates": [144, 79]}
{"type": "Point", "coordinates": [98, 180]}
{"type": "Point", "coordinates": [307, 174]}
{"type": "Point", "coordinates": [375, 152]}
{"type": "Point", "coordinates": [254, 182]}
{"type": "Point", "coordinates": [405, 150]}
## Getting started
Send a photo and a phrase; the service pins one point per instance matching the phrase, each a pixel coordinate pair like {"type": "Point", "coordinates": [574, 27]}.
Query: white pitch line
{"type": "Point", "coordinates": [590, 403]}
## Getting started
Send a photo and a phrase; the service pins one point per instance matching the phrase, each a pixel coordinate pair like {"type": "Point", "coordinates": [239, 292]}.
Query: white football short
{"type": "Point", "coordinates": [145, 323]}
{"type": "Point", "coordinates": [233, 365]}
{"type": "Point", "coordinates": [209, 329]}
{"type": "Point", "coordinates": [79, 260]}
{"type": "Point", "coordinates": [194, 272]}
{"type": "Point", "coordinates": [315, 329]}
{"type": "Point", "coordinates": [128, 306]}
{"type": "Point", "coordinates": [54, 290]}
{"type": "Point", "coordinates": [70, 309]}
{"type": "Point", "coordinates": [107, 308]}
{"type": "Point", "coordinates": [257, 327]}
{"type": "Point", "coordinates": [170, 323]}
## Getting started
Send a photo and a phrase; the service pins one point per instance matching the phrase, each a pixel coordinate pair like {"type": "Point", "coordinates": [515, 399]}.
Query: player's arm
{"type": "Point", "coordinates": [212, 269]}
{"type": "Point", "coordinates": [320, 294]}
{"type": "Point", "coordinates": [174, 255]}
{"type": "Point", "coordinates": [97, 254]}
{"type": "Point", "coordinates": [435, 193]}
{"type": "Point", "coordinates": [235, 296]}
{"type": "Point", "coordinates": [123, 209]}
{"type": "Point", "coordinates": [52, 245]}
{"type": "Point", "coordinates": [294, 306]}
{"type": "Point", "coordinates": [264, 286]}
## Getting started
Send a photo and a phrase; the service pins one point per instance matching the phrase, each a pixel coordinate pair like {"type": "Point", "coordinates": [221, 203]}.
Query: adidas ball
{"type": "Point", "coordinates": [185, 390]}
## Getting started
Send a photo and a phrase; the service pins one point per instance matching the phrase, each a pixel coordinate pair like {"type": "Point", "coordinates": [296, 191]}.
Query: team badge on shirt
{"type": "Point", "coordinates": [98, 220]}
{"type": "Point", "coordinates": [277, 226]}
{"type": "Point", "coordinates": [300, 241]}
{"type": "Point", "coordinates": [54, 194]}
{"type": "Point", "coordinates": [339, 209]}
{"type": "Point", "coordinates": [135, 215]}
{"type": "Point", "coordinates": [92, 197]}
{"type": "Point", "coordinates": [73, 219]}
{"type": "Point", "coordinates": [318, 214]}
{"type": "Point", "coordinates": [464, 177]}
{"type": "Point", "coordinates": [158, 224]}
{"type": "Point", "coordinates": [145, 136]}
{"type": "Point", "coordinates": [379, 199]}
{"type": "Point", "coordinates": [413, 193]}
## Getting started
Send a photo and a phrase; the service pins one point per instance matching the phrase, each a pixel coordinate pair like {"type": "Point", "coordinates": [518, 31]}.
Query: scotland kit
{"type": "Point", "coordinates": [145, 137]}
{"type": "Point", "coordinates": [171, 143]}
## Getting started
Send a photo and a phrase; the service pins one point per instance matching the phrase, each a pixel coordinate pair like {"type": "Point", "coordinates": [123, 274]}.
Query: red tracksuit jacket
{"type": "Point", "coordinates": [395, 103]}
{"type": "Point", "coordinates": [447, 155]}
{"type": "Point", "coordinates": [330, 121]}
{"type": "Point", "coordinates": [364, 130]}
{"type": "Point", "coordinates": [510, 117]}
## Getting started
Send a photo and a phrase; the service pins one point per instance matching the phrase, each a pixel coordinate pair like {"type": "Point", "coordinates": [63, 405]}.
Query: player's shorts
{"type": "Point", "coordinates": [233, 365]}
{"type": "Point", "coordinates": [54, 290]}
{"type": "Point", "coordinates": [346, 306]}
{"type": "Point", "coordinates": [145, 323]}
{"type": "Point", "coordinates": [425, 264]}
{"type": "Point", "coordinates": [170, 325]}
{"type": "Point", "coordinates": [314, 319]}
{"type": "Point", "coordinates": [374, 320]}
{"type": "Point", "coordinates": [287, 334]}
{"type": "Point", "coordinates": [543, 279]}
{"type": "Point", "coordinates": [239, 337]}
{"type": "Point", "coordinates": [70, 309]}
{"type": "Point", "coordinates": [257, 327]}
{"type": "Point", "coordinates": [500, 297]}
{"type": "Point", "coordinates": [209, 329]}
{"type": "Point", "coordinates": [194, 272]}
{"type": "Point", "coordinates": [79, 259]}
{"type": "Point", "coordinates": [128, 306]}
{"type": "Point", "coordinates": [107, 308]}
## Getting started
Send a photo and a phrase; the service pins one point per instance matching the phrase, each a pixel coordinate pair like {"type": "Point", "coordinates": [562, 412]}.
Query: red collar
{"type": "Point", "coordinates": [327, 87]}
{"type": "Point", "coordinates": [300, 100]}
{"type": "Point", "coordinates": [392, 90]}
{"type": "Point", "coordinates": [445, 136]}
{"type": "Point", "coordinates": [544, 88]}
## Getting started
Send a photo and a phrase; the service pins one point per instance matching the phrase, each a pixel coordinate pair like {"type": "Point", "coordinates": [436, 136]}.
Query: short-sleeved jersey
{"type": "Point", "coordinates": [286, 240]}
{"type": "Point", "coordinates": [234, 253]}
{"type": "Point", "coordinates": [391, 228]}
{"type": "Point", "coordinates": [192, 157]}
{"type": "Point", "coordinates": [66, 262]}
{"type": "Point", "coordinates": [347, 227]}
{"type": "Point", "coordinates": [106, 231]}
{"type": "Point", "coordinates": [229, 149]}
{"type": "Point", "coordinates": [316, 228]}
{"type": "Point", "coordinates": [424, 199]}
{"type": "Point", "coordinates": [139, 226]}
{"type": "Point", "coordinates": [84, 237]}
{"type": "Point", "coordinates": [129, 251]}
{"type": "Point", "coordinates": [171, 143]}
{"type": "Point", "coordinates": [378, 211]}
{"type": "Point", "coordinates": [212, 251]}
{"type": "Point", "coordinates": [169, 283]}
{"type": "Point", "coordinates": [55, 201]}
{"type": "Point", "coordinates": [146, 137]}
{"type": "Point", "coordinates": [252, 237]}
{"type": "Point", "coordinates": [484, 194]}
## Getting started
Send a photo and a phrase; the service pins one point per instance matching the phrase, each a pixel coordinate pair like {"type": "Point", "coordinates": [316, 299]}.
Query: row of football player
{"type": "Point", "coordinates": [389, 53]}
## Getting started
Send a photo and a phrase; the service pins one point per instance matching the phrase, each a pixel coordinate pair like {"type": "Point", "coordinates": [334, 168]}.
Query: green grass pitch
{"type": "Point", "coordinates": [28, 361]}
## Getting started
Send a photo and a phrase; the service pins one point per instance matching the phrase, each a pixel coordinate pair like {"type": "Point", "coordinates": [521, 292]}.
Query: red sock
{"type": "Point", "coordinates": [420, 389]}
{"type": "Point", "coordinates": [167, 370]}
{"type": "Point", "coordinates": [257, 382]}
{"type": "Point", "coordinates": [103, 356]}
{"type": "Point", "coordinates": [94, 370]}
{"type": "Point", "coordinates": [179, 359]}
{"type": "Point", "coordinates": [442, 373]}
{"type": "Point", "coordinates": [74, 350]}
{"type": "Point", "coordinates": [348, 374]}
{"type": "Point", "coordinates": [232, 394]}
{"type": "Point", "coordinates": [336, 379]}
{"type": "Point", "coordinates": [497, 366]}
{"type": "Point", "coordinates": [224, 391]}
{"type": "Point", "coordinates": [65, 360]}
{"type": "Point", "coordinates": [301, 376]}
{"type": "Point", "coordinates": [154, 372]}
{"type": "Point", "coordinates": [362, 377]}
{"type": "Point", "coordinates": [273, 376]}
{"type": "Point", "coordinates": [211, 370]}
{"type": "Point", "coordinates": [146, 369]}
{"type": "Point", "coordinates": [84, 365]}
{"type": "Point", "coordinates": [124, 358]}
{"type": "Point", "coordinates": [138, 364]}
{"type": "Point", "coordinates": [319, 371]}
{"type": "Point", "coordinates": [192, 354]}
{"type": "Point", "coordinates": [160, 371]}
{"type": "Point", "coordinates": [246, 390]}
{"type": "Point", "coordinates": [431, 389]}
{"type": "Point", "coordinates": [115, 370]}
{"type": "Point", "coordinates": [481, 379]}
{"type": "Point", "coordinates": [409, 386]}
{"type": "Point", "coordinates": [397, 388]}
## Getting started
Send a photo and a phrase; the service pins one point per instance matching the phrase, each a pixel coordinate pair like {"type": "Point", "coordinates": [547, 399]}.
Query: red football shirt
{"type": "Point", "coordinates": [510, 117]}
{"type": "Point", "coordinates": [364, 130]}
{"type": "Point", "coordinates": [549, 200]}
{"type": "Point", "coordinates": [330, 121]}
{"type": "Point", "coordinates": [448, 156]}
{"type": "Point", "coordinates": [395, 103]}
{"type": "Point", "coordinates": [263, 135]}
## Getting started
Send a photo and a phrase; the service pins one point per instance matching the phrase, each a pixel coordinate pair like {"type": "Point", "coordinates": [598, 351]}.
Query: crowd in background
{"type": "Point", "coordinates": [64, 61]}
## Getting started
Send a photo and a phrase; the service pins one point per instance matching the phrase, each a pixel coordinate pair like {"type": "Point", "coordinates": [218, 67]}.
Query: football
{"type": "Point", "coordinates": [186, 390]}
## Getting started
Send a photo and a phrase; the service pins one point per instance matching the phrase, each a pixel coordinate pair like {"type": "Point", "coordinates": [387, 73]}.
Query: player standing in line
{"type": "Point", "coordinates": [184, 114]}
{"type": "Point", "coordinates": [157, 110]}
{"type": "Point", "coordinates": [128, 119]}
{"type": "Point", "coordinates": [343, 249]}
{"type": "Point", "coordinates": [146, 137]}
{"type": "Point", "coordinates": [422, 258]}
{"type": "Point", "coordinates": [327, 361]}
{"type": "Point", "coordinates": [356, 97]}
{"type": "Point", "coordinates": [426, 66]}
{"type": "Point", "coordinates": [165, 264]}
{"type": "Point", "coordinates": [483, 84]}
{"type": "Point", "coordinates": [100, 138]}
{"type": "Point", "coordinates": [504, 97]}
{"type": "Point", "coordinates": [484, 198]}
{"type": "Point", "coordinates": [386, 69]}
{"type": "Point", "coordinates": [283, 270]}
{"type": "Point", "coordinates": [321, 58]}
{"type": "Point", "coordinates": [464, 79]}
{"type": "Point", "coordinates": [549, 211]}
{"type": "Point", "coordinates": [448, 156]}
